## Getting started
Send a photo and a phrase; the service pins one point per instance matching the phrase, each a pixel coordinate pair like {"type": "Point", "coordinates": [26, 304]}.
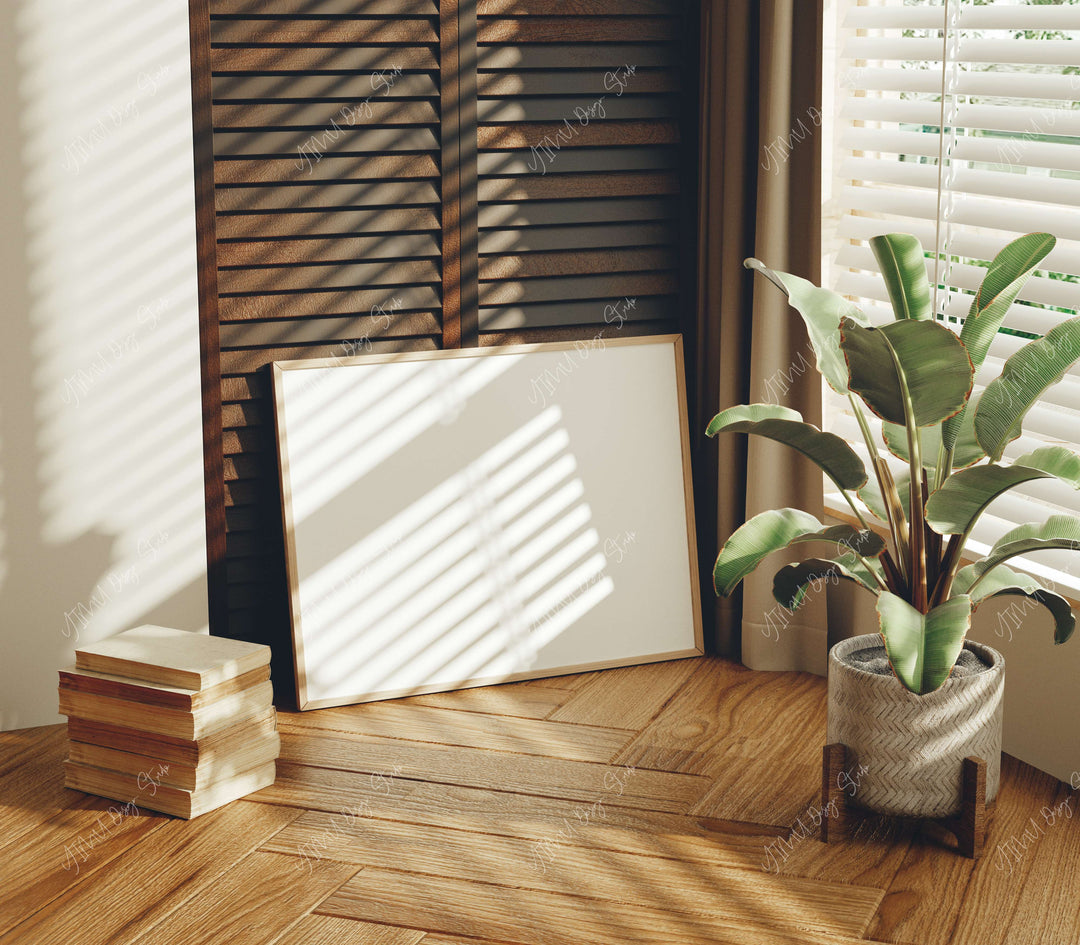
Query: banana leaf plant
{"type": "Point", "coordinates": [917, 376]}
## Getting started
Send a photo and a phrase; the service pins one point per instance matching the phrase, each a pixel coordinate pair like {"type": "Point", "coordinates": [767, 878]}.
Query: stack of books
{"type": "Point", "coordinates": [173, 721]}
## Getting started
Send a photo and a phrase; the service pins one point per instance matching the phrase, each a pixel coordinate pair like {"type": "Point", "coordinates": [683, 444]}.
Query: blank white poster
{"type": "Point", "coordinates": [465, 518]}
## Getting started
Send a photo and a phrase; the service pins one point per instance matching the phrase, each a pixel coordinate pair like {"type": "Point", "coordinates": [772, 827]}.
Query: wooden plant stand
{"type": "Point", "coordinates": [969, 826]}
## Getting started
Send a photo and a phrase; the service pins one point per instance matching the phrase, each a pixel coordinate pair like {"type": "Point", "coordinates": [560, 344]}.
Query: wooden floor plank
{"type": "Point", "coordinates": [67, 849]}
{"type": "Point", "coordinates": [559, 866]}
{"type": "Point", "coordinates": [1013, 894]}
{"type": "Point", "coordinates": [757, 736]}
{"type": "Point", "coordinates": [160, 874]}
{"type": "Point", "coordinates": [540, 918]}
{"type": "Point", "coordinates": [330, 930]}
{"type": "Point", "coordinates": [570, 681]}
{"type": "Point", "coordinates": [627, 697]}
{"type": "Point", "coordinates": [520, 700]}
{"type": "Point", "coordinates": [32, 788]}
{"type": "Point", "coordinates": [334, 793]}
{"type": "Point", "coordinates": [255, 902]}
{"type": "Point", "coordinates": [465, 729]}
{"type": "Point", "coordinates": [694, 729]}
{"type": "Point", "coordinates": [494, 770]}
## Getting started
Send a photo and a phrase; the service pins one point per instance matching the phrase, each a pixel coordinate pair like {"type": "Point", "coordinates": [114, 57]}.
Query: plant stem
{"type": "Point", "coordinates": [916, 531]}
{"type": "Point", "coordinates": [948, 568]}
{"type": "Point", "coordinates": [938, 480]}
{"type": "Point", "coordinates": [855, 509]}
{"type": "Point", "coordinates": [885, 484]}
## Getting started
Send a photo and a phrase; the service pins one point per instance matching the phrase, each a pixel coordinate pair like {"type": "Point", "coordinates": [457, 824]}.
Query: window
{"type": "Point", "coordinates": [958, 121]}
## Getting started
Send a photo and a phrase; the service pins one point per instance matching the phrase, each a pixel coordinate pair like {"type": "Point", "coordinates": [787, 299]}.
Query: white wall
{"type": "Point", "coordinates": [101, 508]}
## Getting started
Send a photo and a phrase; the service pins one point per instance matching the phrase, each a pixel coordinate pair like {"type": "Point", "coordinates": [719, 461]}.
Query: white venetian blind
{"type": "Point", "coordinates": [959, 122]}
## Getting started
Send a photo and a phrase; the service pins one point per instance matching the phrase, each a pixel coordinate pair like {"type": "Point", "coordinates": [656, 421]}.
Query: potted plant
{"type": "Point", "coordinates": [911, 722]}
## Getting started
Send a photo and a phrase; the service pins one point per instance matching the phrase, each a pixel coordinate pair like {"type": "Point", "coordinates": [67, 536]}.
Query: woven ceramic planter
{"type": "Point", "coordinates": [908, 750]}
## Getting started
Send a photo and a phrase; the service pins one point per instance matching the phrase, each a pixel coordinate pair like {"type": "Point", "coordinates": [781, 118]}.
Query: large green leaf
{"type": "Point", "coordinates": [1002, 283]}
{"type": "Point", "coordinates": [923, 648]}
{"type": "Point", "coordinates": [837, 460]}
{"type": "Point", "coordinates": [903, 266]}
{"type": "Point", "coordinates": [966, 449]}
{"type": "Point", "coordinates": [1003, 581]}
{"type": "Point", "coordinates": [770, 531]}
{"type": "Point", "coordinates": [954, 508]}
{"type": "Point", "coordinates": [1058, 532]}
{"type": "Point", "coordinates": [1026, 376]}
{"type": "Point", "coordinates": [822, 310]}
{"type": "Point", "coordinates": [792, 581]}
{"type": "Point", "coordinates": [921, 359]}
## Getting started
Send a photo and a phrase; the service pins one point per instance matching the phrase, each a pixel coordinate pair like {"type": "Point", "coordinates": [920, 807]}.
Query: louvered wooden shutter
{"type": "Point", "coordinates": [579, 163]}
{"type": "Point", "coordinates": [369, 184]}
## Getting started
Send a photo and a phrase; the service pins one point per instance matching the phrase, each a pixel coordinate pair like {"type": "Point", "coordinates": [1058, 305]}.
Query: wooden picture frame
{"type": "Point", "coordinates": [438, 503]}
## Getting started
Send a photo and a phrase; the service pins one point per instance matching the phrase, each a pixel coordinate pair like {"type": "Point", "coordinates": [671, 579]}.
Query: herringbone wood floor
{"type": "Point", "coordinates": [661, 804]}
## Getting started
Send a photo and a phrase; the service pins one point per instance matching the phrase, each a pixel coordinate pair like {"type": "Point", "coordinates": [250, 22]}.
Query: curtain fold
{"type": "Point", "coordinates": [760, 196]}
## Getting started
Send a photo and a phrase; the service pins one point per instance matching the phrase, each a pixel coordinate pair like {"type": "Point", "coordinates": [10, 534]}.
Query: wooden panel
{"type": "Point", "coordinates": [206, 276]}
{"type": "Point", "coordinates": [537, 265]}
{"type": "Point", "coordinates": [350, 89]}
{"type": "Point", "coordinates": [546, 239]}
{"type": "Point", "coordinates": [620, 696]}
{"type": "Point", "coordinates": [569, 870]}
{"type": "Point", "coordinates": [500, 84]}
{"type": "Point", "coordinates": [68, 848]}
{"type": "Point", "coordinates": [304, 32]}
{"type": "Point", "coordinates": [572, 8]}
{"type": "Point", "coordinates": [624, 108]}
{"type": "Point", "coordinates": [317, 116]}
{"type": "Point", "coordinates": [450, 85]}
{"type": "Point", "coordinates": [402, 720]}
{"type": "Point", "coordinates": [520, 700]}
{"type": "Point", "coordinates": [615, 315]}
{"type": "Point", "coordinates": [530, 817]}
{"type": "Point", "coordinates": [322, 278]}
{"type": "Point", "coordinates": [356, 329]}
{"type": "Point", "coordinates": [185, 859]}
{"type": "Point", "coordinates": [326, 196]}
{"type": "Point", "coordinates": [500, 771]}
{"type": "Point", "coordinates": [347, 139]}
{"type": "Point", "coordinates": [231, 60]}
{"type": "Point", "coordinates": [517, 915]}
{"type": "Point", "coordinates": [509, 137]}
{"type": "Point", "coordinates": [605, 286]}
{"type": "Point", "coordinates": [247, 360]}
{"type": "Point", "coordinates": [343, 302]}
{"type": "Point", "coordinates": [325, 223]}
{"type": "Point", "coordinates": [32, 788]}
{"type": "Point", "coordinates": [563, 187]}
{"type": "Point", "coordinates": [337, 249]}
{"type": "Point", "coordinates": [330, 930]}
{"type": "Point", "coordinates": [327, 7]}
{"type": "Point", "coordinates": [255, 901]}
{"type": "Point", "coordinates": [515, 57]}
{"type": "Point", "coordinates": [293, 170]}
{"type": "Point", "coordinates": [561, 29]}
{"type": "Point", "coordinates": [623, 158]}
{"type": "Point", "coordinates": [556, 212]}
{"type": "Point", "coordinates": [530, 334]}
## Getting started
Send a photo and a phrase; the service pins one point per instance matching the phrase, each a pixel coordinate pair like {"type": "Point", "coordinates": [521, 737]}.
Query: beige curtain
{"type": "Point", "coordinates": [760, 196]}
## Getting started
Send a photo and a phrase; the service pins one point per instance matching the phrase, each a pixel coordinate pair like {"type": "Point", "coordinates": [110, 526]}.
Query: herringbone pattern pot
{"type": "Point", "coordinates": [912, 747]}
